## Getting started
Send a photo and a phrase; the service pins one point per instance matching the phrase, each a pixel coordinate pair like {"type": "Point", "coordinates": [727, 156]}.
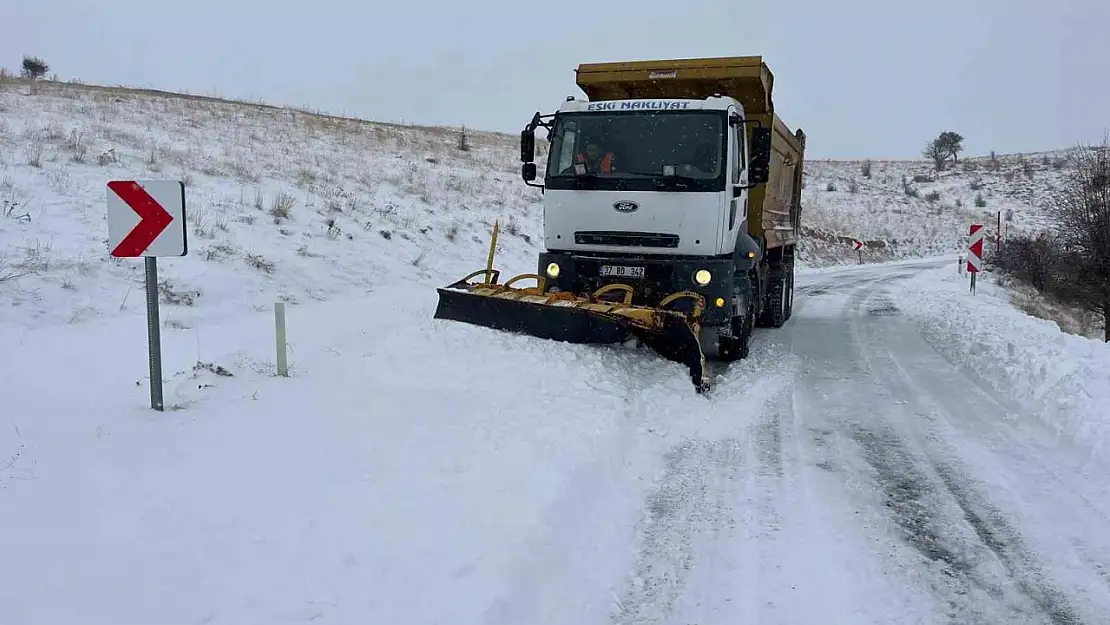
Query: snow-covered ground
{"type": "Point", "coordinates": [425, 471]}
{"type": "Point", "coordinates": [1025, 362]}
{"type": "Point", "coordinates": [892, 455]}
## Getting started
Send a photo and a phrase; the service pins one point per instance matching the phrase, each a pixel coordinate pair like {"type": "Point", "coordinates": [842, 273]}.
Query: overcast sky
{"type": "Point", "coordinates": [874, 78]}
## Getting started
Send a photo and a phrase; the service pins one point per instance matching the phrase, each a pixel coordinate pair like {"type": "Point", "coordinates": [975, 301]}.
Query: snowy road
{"type": "Point", "coordinates": [976, 514]}
{"type": "Point", "coordinates": [875, 484]}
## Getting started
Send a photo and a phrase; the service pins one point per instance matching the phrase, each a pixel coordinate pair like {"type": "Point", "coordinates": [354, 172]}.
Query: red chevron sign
{"type": "Point", "coordinates": [975, 249]}
{"type": "Point", "coordinates": [146, 218]}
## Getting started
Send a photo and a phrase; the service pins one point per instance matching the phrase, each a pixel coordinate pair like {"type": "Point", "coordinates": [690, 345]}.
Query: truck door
{"type": "Point", "coordinates": [738, 199]}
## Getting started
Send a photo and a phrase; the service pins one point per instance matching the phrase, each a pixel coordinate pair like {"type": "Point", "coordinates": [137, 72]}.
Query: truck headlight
{"type": "Point", "coordinates": [703, 277]}
{"type": "Point", "coordinates": [552, 270]}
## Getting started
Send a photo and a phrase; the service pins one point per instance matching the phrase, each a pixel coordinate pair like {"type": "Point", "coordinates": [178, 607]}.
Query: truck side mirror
{"type": "Point", "coordinates": [759, 169]}
{"type": "Point", "coordinates": [527, 145]}
{"type": "Point", "coordinates": [528, 172]}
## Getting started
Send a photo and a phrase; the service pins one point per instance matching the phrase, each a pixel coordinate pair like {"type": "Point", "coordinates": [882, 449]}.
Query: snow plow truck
{"type": "Point", "coordinates": [671, 212]}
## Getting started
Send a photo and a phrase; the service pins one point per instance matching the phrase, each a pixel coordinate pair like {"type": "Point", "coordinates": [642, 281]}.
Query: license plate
{"type": "Point", "coordinates": [620, 271]}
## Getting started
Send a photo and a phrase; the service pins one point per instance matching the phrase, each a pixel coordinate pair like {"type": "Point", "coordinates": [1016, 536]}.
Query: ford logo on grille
{"type": "Point", "coordinates": [625, 206]}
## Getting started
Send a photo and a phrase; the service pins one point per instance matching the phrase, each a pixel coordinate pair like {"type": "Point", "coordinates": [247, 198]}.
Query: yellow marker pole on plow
{"type": "Point", "coordinates": [492, 247]}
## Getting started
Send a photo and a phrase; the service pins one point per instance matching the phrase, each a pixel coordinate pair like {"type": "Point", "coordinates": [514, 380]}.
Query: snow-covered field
{"type": "Point", "coordinates": [422, 472]}
{"type": "Point", "coordinates": [281, 204]}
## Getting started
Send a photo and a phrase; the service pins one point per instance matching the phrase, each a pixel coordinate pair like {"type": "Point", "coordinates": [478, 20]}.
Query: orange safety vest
{"type": "Point", "coordinates": [606, 161]}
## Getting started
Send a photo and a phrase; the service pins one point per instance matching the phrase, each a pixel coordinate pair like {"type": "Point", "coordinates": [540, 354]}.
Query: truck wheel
{"type": "Point", "coordinates": [744, 333]}
{"type": "Point", "coordinates": [737, 346]}
{"type": "Point", "coordinates": [776, 312]}
{"type": "Point", "coordinates": [743, 327]}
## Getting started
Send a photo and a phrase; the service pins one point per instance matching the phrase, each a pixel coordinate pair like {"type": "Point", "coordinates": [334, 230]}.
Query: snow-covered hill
{"type": "Point", "coordinates": [281, 203]}
{"type": "Point", "coordinates": [299, 206]}
{"type": "Point", "coordinates": [905, 209]}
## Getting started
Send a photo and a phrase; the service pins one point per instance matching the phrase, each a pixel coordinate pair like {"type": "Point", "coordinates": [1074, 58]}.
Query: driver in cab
{"type": "Point", "coordinates": [595, 161]}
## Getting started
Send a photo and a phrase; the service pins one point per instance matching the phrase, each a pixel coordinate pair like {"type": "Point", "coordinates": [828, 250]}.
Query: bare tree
{"type": "Point", "coordinates": [936, 152]}
{"type": "Point", "coordinates": [1081, 213]}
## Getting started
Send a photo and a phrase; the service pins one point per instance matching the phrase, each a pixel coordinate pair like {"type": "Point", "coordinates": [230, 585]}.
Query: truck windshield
{"type": "Point", "coordinates": [629, 149]}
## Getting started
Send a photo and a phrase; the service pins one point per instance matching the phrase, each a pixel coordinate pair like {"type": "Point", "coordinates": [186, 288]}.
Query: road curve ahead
{"type": "Point", "coordinates": [880, 485]}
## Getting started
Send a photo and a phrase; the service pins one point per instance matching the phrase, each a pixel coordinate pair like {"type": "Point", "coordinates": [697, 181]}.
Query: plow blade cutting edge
{"type": "Point", "coordinates": [561, 316]}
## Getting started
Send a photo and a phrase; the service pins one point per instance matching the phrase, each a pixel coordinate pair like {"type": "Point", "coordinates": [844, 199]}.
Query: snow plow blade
{"type": "Point", "coordinates": [570, 318]}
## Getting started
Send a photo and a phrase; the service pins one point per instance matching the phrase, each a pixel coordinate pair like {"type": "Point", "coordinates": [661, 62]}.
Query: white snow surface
{"type": "Point", "coordinates": [419, 471]}
{"type": "Point", "coordinates": [1025, 362]}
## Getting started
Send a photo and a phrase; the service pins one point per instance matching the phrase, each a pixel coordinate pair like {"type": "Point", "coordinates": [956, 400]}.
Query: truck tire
{"type": "Point", "coordinates": [776, 312]}
{"type": "Point", "coordinates": [738, 346]}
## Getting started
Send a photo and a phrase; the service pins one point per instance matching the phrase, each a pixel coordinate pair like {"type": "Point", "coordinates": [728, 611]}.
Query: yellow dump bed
{"type": "Point", "coordinates": [775, 207]}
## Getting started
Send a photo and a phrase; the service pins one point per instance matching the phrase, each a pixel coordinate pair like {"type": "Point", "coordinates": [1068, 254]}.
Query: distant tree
{"type": "Point", "coordinates": [865, 169]}
{"type": "Point", "coordinates": [936, 152]}
{"type": "Point", "coordinates": [1080, 212]}
{"type": "Point", "coordinates": [947, 145]}
{"type": "Point", "coordinates": [952, 143]}
{"type": "Point", "coordinates": [34, 67]}
{"type": "Point", "coordinates": [463, 143]}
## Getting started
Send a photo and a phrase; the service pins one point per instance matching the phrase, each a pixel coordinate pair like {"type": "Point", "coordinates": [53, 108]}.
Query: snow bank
{"type": "Point", "coordinates": [1028, 364]}
{"type": "Point", "coordinates": [405, 459]}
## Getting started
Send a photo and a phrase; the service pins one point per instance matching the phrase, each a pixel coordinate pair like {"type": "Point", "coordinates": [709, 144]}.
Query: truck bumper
{"type": "Point", "coordinates": [661, 277]}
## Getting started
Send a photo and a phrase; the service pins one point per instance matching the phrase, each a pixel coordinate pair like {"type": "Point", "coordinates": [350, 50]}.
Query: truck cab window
{"type": "Point", "coordinates": [560, 158]}
{"type": "Point", "coordinates": [739, 154]}
{"type": "Point", "coordinates": [635, 148]}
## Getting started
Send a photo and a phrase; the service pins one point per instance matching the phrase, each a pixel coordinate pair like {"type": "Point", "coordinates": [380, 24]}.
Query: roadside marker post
{"type": "Point", "coordinates": [279, 335]}
{"type": "Point", "coordinates": [975, 252]}
{"type": "Point", "coordinates": [146, 219]}
{"type": "Point", "coordinates": [858, 246]}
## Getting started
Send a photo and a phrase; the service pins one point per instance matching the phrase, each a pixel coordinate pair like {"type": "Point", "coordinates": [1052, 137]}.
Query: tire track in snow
{"type": "Point", "coordinates": [692, 503]}
{"type": "Point", "coordinates": [712, 507]}
{"type": "Point", "coordinates": [925, 493]}
{"type": "Point", "coordinates": [917, 505]}
{"type": "Point", "coordinates": [997, 534]}
{"type": "Point", "coordinates": [574, 557]}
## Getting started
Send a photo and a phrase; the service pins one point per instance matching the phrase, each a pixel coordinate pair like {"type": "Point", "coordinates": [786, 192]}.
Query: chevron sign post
{"type": "Point", "coordinates": [975, 252]}
{"type": "Point", "coordinates": [146, 219]}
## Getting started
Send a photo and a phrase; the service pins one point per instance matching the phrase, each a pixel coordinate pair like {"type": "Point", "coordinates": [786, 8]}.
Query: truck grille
{"type": "Point", "coordinates": [626, 239]}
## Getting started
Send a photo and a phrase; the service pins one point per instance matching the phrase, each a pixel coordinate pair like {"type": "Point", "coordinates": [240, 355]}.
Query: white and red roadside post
{"type": "Point", "coordinates": [146, 218]}
{"type": "Point", "coordinates": [975, 252]}
{"type": "Point", "coordinates": [858, 247]}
